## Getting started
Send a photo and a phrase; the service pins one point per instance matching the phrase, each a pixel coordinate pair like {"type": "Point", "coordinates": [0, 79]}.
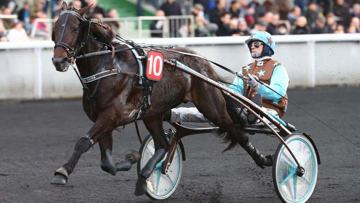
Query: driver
{"type": "Point", "coordinates": [264, 68]}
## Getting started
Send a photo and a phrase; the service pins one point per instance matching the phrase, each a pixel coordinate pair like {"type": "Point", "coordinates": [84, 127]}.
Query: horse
{"type": "Point", "coordinates": [116, 100]}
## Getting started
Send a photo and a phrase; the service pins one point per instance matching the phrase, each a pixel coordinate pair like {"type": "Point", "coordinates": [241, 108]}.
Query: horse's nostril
{"type": "Point", "coordinates": [64, 60]}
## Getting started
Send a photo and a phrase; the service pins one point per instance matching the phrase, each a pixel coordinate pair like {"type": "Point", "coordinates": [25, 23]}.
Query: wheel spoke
{"type": "Point", "coordinates": [287, 178]}
{"type": "Point", "coordinates": [306, 180]}
{"type": "Point", "coordinates": [288, 163]}
{"type": "Point", "coordinates": [172, 182]}
{"type": "Point", "coordinates": [305, 160]}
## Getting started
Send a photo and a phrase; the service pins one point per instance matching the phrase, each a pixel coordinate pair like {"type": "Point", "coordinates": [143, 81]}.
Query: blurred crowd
{"type": "Point", "coordinates": [278, 17]}
{"type": "Point", "coordinates": [211, 17]}
{"type": "Point", "coordinates": [18, 28]}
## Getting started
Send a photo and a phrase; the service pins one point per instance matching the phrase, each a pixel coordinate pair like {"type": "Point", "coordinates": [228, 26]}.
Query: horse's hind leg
{"type": "Point", "coordinates": [214, 108]}
{"type": "Point", "coordinates": [155, 127]}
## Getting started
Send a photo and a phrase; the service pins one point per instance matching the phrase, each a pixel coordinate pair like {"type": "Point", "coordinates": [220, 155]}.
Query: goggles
{"type": "Point", "coordinates": [256, 44]}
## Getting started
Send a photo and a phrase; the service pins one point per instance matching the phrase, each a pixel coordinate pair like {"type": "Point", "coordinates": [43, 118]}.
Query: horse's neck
{"type": "Point", "coordinates": [90, 65]}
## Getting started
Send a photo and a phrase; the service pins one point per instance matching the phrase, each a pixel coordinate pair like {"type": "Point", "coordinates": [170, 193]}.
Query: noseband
{"type": "Point", "coordinates": [71, 52]}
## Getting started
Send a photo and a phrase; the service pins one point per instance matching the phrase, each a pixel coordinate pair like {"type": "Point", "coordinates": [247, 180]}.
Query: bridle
{"type": "Point", "coordinates": [71, 52]}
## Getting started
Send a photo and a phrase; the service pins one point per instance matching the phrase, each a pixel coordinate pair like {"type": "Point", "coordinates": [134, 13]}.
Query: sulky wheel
{"type": "Point", "coordinates": [289, 186]}
{"type": "Point", "coordinates": [160, 186]}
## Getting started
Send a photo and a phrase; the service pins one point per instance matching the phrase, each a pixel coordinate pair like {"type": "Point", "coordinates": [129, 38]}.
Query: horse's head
{"type": "Point", "coordinates": [72, 31]}
{"type": "Point", "coordinates": [67, 35]}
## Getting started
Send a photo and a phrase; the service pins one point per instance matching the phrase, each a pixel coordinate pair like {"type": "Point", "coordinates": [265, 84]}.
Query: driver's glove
{"type": "Point", "coordinates": [252, 82]}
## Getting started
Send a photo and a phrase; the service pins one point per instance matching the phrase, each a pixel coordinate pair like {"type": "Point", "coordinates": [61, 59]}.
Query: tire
{"type": "Point", "coordinates": [160, 186]}
{"type": "Point", "coordinates": [289, 186]}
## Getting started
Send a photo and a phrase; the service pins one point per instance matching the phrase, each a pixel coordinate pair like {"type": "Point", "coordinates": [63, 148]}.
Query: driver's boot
{"type": "Point", "coordinates": [259, 159]}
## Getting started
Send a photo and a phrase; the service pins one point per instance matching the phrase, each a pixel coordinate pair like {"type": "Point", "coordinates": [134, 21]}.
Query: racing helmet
{"type": "Point", "coordinates": [265, 37]}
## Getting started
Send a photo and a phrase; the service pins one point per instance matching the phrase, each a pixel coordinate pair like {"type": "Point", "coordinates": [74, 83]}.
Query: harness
{"type": "Point", "coordinates": [138, 53]}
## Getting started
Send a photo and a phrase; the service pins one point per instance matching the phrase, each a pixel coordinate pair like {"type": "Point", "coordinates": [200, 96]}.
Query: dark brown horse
{"type": "Point", "coordinates": [116, 100]}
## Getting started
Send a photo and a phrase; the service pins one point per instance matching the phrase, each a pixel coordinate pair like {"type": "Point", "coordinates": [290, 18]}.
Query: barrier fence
{"type": "Point", "coordinates": [311, 60]}
{"type": "Point", "coordinates": [139, 27]}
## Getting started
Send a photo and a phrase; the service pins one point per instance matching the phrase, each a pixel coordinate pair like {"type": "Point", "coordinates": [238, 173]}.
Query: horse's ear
{"type": "Point", "coordinates": [103, 33]}
{"type": "Point", "coordinates": [63, 6]}
{"type": "Point", "coordinates": [84, 10]}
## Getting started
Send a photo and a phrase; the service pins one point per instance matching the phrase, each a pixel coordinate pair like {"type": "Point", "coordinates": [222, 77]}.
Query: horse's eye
{"type": "Point", "coordinates": [75, 29]}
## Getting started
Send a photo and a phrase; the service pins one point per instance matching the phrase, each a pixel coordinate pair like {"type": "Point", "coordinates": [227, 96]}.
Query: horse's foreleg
{"type": "Point", "coordinates": [107, 163]}
{"type": "Point", "coordinates": [98, 130]}
{"type": "Point", "coordinates": [106, 145]}
{"type": "Point", "coordinates": [155, 127]}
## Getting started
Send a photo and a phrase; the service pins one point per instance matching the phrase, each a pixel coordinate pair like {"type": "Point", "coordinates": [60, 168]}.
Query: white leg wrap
{"type": "Point", "coordinates": [184, 114]}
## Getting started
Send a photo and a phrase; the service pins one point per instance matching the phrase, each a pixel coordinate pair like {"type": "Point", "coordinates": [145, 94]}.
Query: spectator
{"type": "Point", "coordinates": [198, 10]}
{"type": "Point", "coordinates": [319, 26]}
{"type": "Point", "coordinates": [2, 32]}
{"type": "Point", "coordinates": [24, 13]}
{"type": "Point", "coordinates": [224, 27]}
{"type": "Point", "coordinates": [271, 6]}
{"type": "Point", "coordinates": [244, 30]}
{"type": "Point", "coordinates": [324, 6]}
{"type": "Point", "coordinates": [272, 26]}
{"type": "Point", "coordinates": [10, 4]}
{"type": "Point", "coordinates": [215, 13]}
{"type": "Point", "coordinates": [247, 13]}
{"type": "Point", "coordinates": [24, 16]}
{"type": "Point", "coordinates": [294, 14]}
{"type": "Point", "coordinates": [204, 3]}
{"type": "Point", "coordinates": [235, 9]}
{"type": "Point", "coordinates": [341, 10]}
{"type": "Point", "coordinates": [84, 3]}
{"type": "Point", "coordinates": [202, 29]}
{"type": "Point", "coordinates": [351, 30]}
{"type": "Point", "coordinates": [355, 11]}
{"type": "Point", "coordinates": [301, 4]}
{"type": "Point", "coordinates": [57, 7]}
{"type": "Point", "coordinates": [267, 17]}
{"type": "Point", "coordinates": [41, 28]}
{"type": "Point", "coordinates": [282, 29]}
{"type": "Point", "coordinates": [171, 8]}
{"type": "Point", "coordinates": [259, 26]}
{"type": "Point", "coordinates": [330, 25]}
{"type": "Point", "coordinates": [258, 8]}
{"type": "Point", "coordinates": [7, 22]}
{"type": "Point", "coordinates": [300, 26]}
{"type": "Point", "coordinates": [76, 4]}
{"type": "Point", "coordinates": [234, 28]}
{"type": "Point", "coordinates": [355, 22]}
{"type": "Point", "coordinates": [37, 7]}
{"type": "Point", "coordinates": [17, 33]}
{"type": "Point", "coordinates": [112, 13]}
{"type": "Point", "coordinates": [156, 26]}
{"type": "Point", "coordinates": [339, 29]}
{"type": "Point", "coordinates": [95, 8]}
{"type": "Point", "coordinates": [284, 8]}
{"type": "Point", "coordinates": [312, 14]}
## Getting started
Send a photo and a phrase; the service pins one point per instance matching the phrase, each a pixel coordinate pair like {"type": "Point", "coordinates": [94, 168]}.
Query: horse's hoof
{"type": "Point", "coordinates": [60, 177]}
{"type": "Point", "coordinates": [58, 180]}
{"type": "Point", "coordinates": [132, 154]}
{"type": "Point", "coordinates": [141, 186]}
{"type": "Point", "coordinates": [265, 161]}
